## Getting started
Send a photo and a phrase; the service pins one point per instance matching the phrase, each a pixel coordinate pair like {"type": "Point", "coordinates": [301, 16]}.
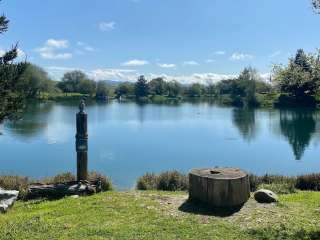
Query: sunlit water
{"type": "Point", "coordinates": [127, 140]}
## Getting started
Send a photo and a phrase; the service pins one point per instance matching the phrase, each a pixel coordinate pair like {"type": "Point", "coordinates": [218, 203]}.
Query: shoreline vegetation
{"type": "Point", "coordinates": [162, 210]}
{"type": "Point", "coordinates": [169, 181]}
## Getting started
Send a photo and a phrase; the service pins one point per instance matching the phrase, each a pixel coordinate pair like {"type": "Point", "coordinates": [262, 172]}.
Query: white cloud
{"type": "Point", "coordinates": [132, 75]}
{"type": "Point", "coordinates": [114, 74]}
{"type": "Point", "coordinates": [220, 53]}
{"type": "Point", "coordinates": [57, 72]}
{"type": "Point", "coordinates": [89, 49]}
{"type": "Point", "coordinates": [21, 53]}
{"type": "Point", "coordinates": [203, 78]}
{"type": "Point", "coordinates": [107, 26]}
{"type": "Point", "coordinates": [274, 54]}
{"type": "Point", "coordinates": [166, 65]}
{"type": "Point", "coordinates": [50, 50]}
{"type": "Point", "coordinates": [210, 60]}
{"type": "Point", "coordinates": [55, 56]}
{"type": "Point", "coordinates": [84, 47]}
{"type": "Point", "coordinates": [190, 63]}
{"type": "Point", "coordinates": [54, 43]}
{"type": "Point", "coordinates": [241, 56]}
{"type": "Point", "coordinates": [135, 63]}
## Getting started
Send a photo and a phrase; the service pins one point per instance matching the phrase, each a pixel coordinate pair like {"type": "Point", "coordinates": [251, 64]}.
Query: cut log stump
{"type": "Point", "coordinates": [219, 187]}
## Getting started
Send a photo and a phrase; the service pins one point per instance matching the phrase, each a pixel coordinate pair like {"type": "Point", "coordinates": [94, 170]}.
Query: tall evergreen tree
{"type": "Point", "coordinates": [316, 5]}
{"type": "Point", "coordinates": [11, 98]}
{"type": "Point", "coordinates": [141, 87]}
{"type": "Point", "coordinates": [301, 60]}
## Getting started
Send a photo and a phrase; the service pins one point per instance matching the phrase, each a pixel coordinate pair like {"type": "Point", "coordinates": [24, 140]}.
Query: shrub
{"type": "Point", "coordinates": [279, 188]}
{"type": "Point", "coordinates": [15, 183]}
{"type": "Point", "coordinates": [106, 184]}
{"type": "Point", "coordinates": [147, 182]}
{"type": "Point", "coordinates": [287, 182]}
{"type": "Point", "coordinates": [64, 178]}
{"type": "Point", "coordinates": [308, 182]}
{"type": "Point", "coordinates": [166, 181]}
{"type": "Point", "coordinates": [172, 181]}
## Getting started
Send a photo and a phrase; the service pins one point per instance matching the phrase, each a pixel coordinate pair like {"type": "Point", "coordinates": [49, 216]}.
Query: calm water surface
{"type": "Point", "coordinates": [126, 140]}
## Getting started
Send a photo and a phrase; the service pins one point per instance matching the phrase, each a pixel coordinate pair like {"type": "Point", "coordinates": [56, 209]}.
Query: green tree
{"type": "Point", "coordinates": [195, 90]}
{"type": "Point", "coordinates": [141, 87]}
{"type": "Point", "coordinates": [125, 89]}
{"type": "Point", "coordinates": [35, 80]}
{"type": "Point", "coordinates": [77, 81]}
{"type": "Point", "coordinates": [211, 88]}
{"type": "Point", "coordinates": [299, 79]}
{"type": "Point", "coordinates": [174, 88]}
{"type": "Point", "coordinates": [11, 97]}
{"type": "Point", "coordinates": [157, 86]}
{"type": "Point", "coordinates": [247, 80]}
{"type": "Point", "coordinates": [103, 91]}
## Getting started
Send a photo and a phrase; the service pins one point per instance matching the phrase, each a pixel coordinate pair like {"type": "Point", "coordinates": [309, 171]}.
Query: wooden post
{"type": "Point", "coordinates": [82, 143]}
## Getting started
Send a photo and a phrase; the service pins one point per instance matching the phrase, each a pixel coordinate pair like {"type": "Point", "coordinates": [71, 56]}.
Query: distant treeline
{"type": "Point", "coordinates": [296, 84]}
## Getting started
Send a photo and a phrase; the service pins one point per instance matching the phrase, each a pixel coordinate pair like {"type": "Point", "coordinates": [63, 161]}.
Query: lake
{"type": "Point", "coordinates": [127, 140]}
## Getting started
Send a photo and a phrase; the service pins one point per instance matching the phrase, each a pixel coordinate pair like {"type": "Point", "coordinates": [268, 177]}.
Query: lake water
{"type": "Point", "coordinates": [127, 140]}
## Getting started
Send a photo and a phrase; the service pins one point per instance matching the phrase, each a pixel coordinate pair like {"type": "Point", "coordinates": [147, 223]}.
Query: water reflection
{"type": "Point", "coordinates": [245, 120]}
{"type": "Point", "coordinates": [298, 127]}
{"type": "Point", "coordinates": [33, 121]}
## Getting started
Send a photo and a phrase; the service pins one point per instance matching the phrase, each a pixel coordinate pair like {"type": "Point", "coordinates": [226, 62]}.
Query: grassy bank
{"type": "Point", "coordinates": [160, 215]}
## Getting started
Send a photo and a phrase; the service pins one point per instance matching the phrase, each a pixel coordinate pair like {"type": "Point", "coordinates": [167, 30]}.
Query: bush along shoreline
{"type": "Point", "coordinates": [169, 181]}
{"type": "Point", "coordinates": [176, 181]}
{"type": "Point", "coordinates": [22, 184]}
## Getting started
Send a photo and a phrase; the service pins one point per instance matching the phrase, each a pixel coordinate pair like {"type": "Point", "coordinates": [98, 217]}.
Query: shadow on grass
{"type": "Point", "coordinates": [203, 209]}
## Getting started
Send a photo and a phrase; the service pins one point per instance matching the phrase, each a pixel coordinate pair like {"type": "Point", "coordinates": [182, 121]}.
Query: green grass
{"type": "Point", "coordinates": [62, 96]}
{"type": "Point", "coordinates": [156, 215]}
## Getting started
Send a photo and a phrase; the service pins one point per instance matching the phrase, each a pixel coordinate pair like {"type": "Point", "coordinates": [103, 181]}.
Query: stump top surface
{"type": "Point", "coordinates": [219, 173]}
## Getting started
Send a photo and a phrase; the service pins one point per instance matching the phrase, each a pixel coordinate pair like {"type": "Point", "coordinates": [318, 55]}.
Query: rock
{"type": "Point", "coordinates": [265, 196]}
{"type": "Point", "coordinates": [7, 199]}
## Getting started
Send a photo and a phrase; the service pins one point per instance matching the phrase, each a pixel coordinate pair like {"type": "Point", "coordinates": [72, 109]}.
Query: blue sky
{"type": "Point", "coordinates": [189, 40]}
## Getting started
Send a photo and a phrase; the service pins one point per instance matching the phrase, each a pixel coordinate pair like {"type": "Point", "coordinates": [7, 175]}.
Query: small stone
{"type": "Point", "coordinates": [265, 196]}
{"type": "Point", "coordinates": [75, 196]}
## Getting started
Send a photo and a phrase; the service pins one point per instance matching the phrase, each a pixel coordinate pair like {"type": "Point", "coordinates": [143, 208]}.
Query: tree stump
{"type": "Point", "coordinates": [219, 187]}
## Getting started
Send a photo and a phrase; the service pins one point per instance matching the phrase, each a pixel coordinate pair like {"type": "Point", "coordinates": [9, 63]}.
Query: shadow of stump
{"type": "Point", "coordinates": [200, 208]}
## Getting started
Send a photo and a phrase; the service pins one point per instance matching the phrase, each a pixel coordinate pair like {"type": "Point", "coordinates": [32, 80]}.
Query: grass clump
{"type": "Point", "coordinates": [17, 183]}
{"type": "Point", "coordinates": [279, 188]}
{"type": "Point", "coordinates": [95, 177]}
{"type": "Point", "coordinates": [60, 178]}
{"type": "Point", "coordinates": [166, 181]}
{"type": "Point", "coordinates": [106, 184]}
{"type": "Point", "coordinates": [147, 182]}
{"type": "Point", "coordinates": [279, 184]}
{"type": "Point", "coordinates": [308, 182]}
{"type": "Point", "coordinates": [22, 184]}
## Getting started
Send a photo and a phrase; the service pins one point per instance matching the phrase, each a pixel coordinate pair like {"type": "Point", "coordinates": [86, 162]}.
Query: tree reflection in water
{"type": "Point", "coordinates": [32, 121]}
{"type": "Point", "coordinates": [298, 127]}
{"type": "Point", "coordinates": [244, 119]}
